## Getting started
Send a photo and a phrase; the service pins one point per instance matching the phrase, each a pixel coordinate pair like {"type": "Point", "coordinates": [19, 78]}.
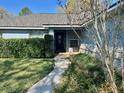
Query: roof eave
{"type": "Point", "coordinates": [30, 28]}
{"type": "Point", "coordinates": [61, 26]}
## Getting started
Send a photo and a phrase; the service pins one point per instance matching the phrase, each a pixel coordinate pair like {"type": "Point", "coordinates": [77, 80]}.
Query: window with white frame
{"type": "Point", "coordinates": [15, 35]}
{"type": "Point", "coordinates": [74, 42]}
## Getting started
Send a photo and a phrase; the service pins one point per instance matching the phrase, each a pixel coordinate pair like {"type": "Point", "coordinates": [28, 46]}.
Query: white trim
{"type": "Point", "coordinates": [23, 28]}
{"type": "Point", "coordinates": [46, 26]}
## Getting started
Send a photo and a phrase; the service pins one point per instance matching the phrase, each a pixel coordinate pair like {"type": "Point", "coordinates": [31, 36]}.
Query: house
{"type": "Point", "coordinates": [38, 25]}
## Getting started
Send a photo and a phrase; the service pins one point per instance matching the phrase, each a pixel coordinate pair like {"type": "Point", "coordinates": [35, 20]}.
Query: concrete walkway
{"type": "Point", "coordinates": [53, 79]}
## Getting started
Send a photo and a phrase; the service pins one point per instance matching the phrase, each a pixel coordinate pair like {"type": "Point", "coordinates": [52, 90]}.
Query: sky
{"type": "Point", "coordinates": [36, 6]}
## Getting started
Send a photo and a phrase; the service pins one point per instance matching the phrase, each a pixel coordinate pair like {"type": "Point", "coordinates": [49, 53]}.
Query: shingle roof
{"type": "Point", "coordinates": [35, 20]}
{"type": "Point", "coordinates": [39, 20]}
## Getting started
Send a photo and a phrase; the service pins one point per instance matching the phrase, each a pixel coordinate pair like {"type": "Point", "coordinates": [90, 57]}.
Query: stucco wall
{"type": "Point", "coordinates": [111, 27]}
{"type": "Point", "coordinates": [70, 35]}
{"type": "Point", "coordinates": [38, 34]}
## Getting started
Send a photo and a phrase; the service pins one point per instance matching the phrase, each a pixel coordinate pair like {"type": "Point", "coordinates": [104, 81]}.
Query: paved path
{"type": "Point", "coordinates": [53, 79]}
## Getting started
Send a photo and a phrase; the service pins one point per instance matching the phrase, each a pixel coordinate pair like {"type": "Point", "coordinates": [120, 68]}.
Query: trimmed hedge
{"type": "Point", "coordinates": [24, 48]}
{"type": "Point", "coordinates": [49, 49]}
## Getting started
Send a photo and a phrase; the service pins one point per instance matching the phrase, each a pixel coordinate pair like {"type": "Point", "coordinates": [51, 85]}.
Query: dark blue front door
{"type": "Point", "coordinates": [60, 41]}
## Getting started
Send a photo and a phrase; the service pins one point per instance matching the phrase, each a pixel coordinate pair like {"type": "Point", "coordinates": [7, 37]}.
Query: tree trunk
{"type": "Point", "coordinates": [111, 75]}
{"type": "Point", "coordinates": [122, 70]}
{"type": "Point", "coordinates": [114, 87]}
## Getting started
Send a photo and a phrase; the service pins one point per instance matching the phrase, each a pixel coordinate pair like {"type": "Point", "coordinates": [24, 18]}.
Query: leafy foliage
{"type": "Point", "coordinates": [83, 75]}
{"type": "Point", "coordinates": [49, 51]}
{"type": "Point", "coordinates": [25, 48]}
{"type": "Point", "coordinates": [25, 11]}
{"type": "Point", "coordinates": [106, 33]}
{"type": "Point", "coordinates": [4, 13]}
{"type": "Point", "coordinates": [71, 6]}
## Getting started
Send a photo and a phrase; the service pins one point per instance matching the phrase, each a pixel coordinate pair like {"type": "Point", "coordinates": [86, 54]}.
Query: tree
{"type": "Point", "coordinates": [106, 39]}
{"type": "Point", "coordinates": [25, 11]}
{"type": "Point", "coordinates": [4, 13]}
{"type": "Point", "coordinates": [71, 6]}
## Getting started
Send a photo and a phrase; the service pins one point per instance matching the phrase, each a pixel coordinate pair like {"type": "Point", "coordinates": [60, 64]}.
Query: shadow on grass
{"type": "Point", "coordinates": [7, 65]}
{"type": "Point", "coordinates": [20, 71]}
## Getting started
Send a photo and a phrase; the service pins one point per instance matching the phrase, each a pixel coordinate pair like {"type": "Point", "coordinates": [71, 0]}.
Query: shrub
{"type": "Point", "coordinates": [22, 48]}
{"type": "Point", "coordinates": [83, 75]}
{"type": "Point", "coordinates": [48, 39]}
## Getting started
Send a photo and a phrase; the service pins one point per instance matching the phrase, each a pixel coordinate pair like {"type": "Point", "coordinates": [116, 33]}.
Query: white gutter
{"type": "Point", "coordinates": [46, 26]}
{"type": "Point", "coordinates": [40, 28]}
{"type": "Point", "coordinates": [23, 28]}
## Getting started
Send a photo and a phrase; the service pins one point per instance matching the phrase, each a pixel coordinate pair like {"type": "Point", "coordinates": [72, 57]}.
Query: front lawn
{"type": "Point", "coordinates": [17, 75]}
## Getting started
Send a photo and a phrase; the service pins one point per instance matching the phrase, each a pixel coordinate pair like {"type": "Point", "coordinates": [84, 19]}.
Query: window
{"type": "Point", "coordinates": [15, 35]}
{"type": "Point", "coordinates": [74, 43]}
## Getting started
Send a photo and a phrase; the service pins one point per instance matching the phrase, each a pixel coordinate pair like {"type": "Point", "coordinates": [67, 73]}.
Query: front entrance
{"type": "Point", "coordinates": [60, 41]}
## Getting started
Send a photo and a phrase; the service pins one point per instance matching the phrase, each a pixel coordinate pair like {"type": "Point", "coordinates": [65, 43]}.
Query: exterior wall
{"type": "Point", "coordinates": [13, 31]}
{"type": "Point", "coordinates": [70, 35]}
{"type": "Point", "coordinates": [51, 32]}
{"type": "Point", "coordinates": [87, 41]}
{"type": "Point", "coordinates": [37, 34]}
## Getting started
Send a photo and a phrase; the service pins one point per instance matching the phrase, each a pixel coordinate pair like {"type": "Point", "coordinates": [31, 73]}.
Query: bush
{"type": "Point", "coordinates": [83, 75]}
{"type": "Point", "coordinates": [24, 48]}
{"type": "Point", "coordinates": [49, 48]}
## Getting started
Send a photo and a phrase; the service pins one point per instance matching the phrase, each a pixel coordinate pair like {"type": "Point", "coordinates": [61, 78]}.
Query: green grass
{"type": "Point", "coordinates": [17, 75]}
